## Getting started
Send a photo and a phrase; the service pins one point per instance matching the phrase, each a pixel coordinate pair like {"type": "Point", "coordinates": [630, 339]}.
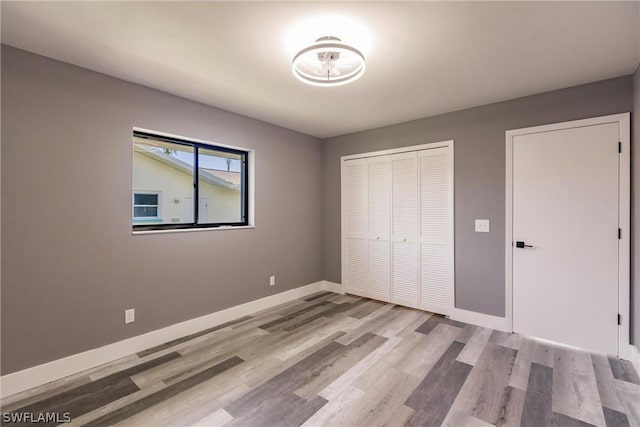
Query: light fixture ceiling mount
{"type": "Point", "coordinates": [328, 62]}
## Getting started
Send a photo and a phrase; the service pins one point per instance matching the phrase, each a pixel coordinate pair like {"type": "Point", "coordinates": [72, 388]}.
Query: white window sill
{"type": "Point", "coordinates": [190, 230]}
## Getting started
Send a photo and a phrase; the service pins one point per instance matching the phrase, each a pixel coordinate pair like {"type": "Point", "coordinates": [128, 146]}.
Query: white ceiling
{"type": "Point", "coordinates": [423, 58]}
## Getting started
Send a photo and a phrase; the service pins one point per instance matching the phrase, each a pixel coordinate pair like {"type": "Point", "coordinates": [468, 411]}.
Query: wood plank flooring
{"type": "Point", "coordinates": [338, 360]}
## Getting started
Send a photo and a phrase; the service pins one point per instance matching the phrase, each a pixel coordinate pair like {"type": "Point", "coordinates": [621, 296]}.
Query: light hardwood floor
{"type": "Point", "coordinates": [337, 360]}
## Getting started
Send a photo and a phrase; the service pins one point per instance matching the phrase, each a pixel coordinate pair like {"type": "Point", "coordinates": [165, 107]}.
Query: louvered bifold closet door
{"type": "Point", "coordinates": [435, 167]}
{"type": "Point", "coordinates": [354, 200]}
{"type": "Point", "coordinates": [379, 217]}
{"type": "Point", "coordinates": [404, 233]}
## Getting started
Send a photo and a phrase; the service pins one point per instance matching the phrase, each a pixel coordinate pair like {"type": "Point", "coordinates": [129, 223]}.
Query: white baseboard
{"type": "Point", "coordinates": [634, 357]}
{"type": "Point", "coordinates": [38, 375]}
{"type": "Point", "coordinates": [332, 287]}
{"type": "Point", "coordinates": [480, 319]}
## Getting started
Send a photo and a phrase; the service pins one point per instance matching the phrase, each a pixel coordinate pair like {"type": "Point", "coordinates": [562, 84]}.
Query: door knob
{"type": "Point", "coordinates": [522, 245]}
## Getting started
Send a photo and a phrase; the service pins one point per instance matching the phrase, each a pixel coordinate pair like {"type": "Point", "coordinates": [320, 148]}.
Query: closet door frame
{"type": "Point", "coordinates": [343, 198]}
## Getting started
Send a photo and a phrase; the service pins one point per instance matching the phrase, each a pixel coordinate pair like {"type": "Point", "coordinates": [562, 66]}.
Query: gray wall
{"type": "Point", "coordinates": [635, 212]}
{"type": "Point", "coordinates": [70, 264]}
{"type": "Point", "coordinates": [479, 135]}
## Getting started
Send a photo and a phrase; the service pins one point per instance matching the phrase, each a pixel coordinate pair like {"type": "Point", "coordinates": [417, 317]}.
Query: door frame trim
{"type": "Point", "coordinates": [624, 217]}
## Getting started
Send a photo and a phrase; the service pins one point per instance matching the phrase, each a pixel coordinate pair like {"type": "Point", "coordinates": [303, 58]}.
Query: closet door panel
{"type": "Point", "coordinates": [404, 229]}
{"type": "Point", "coordinates": [404, 263]}
{"type": "Point", "coordinates": [436, 230]}
{"type": "Point", "coordinates": [405, 195]}
{"type": "Point", "coordinates": [379, 216]}
{"type": "Point", "coordinates": [434, 195]}
{"type": "Point", "coordinates": [355, 200]}
{"type": "Point", "coordinates": [379, 197]}
{"type": "Point", "coordinates": [355, 226]}
{"type": "Point", "coordinates": [379, 269]}
{"type": "Point", "coordinates": [434, 287]}
{"type": "Point", "coordinates": [356, 266]}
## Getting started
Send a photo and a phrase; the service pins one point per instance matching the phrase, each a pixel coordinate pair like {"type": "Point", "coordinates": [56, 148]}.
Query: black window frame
{"type": "Point", "coordinates": [196, 146]}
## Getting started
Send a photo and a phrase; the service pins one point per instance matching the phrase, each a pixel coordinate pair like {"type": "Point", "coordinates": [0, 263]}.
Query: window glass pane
{"type": "Point", "coordinates": [166, 169]}
{"type": "Point", "coordinates": [145, 199]}
{"type": "Point", "coordinates": [220, 186]}
{"type": "Point", "coordinates": [145, 211]}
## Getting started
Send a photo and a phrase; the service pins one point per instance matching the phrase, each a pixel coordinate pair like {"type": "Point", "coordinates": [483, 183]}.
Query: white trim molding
{"type": "Point", "coordinates": [634, 356]}
{"type": "Point", "coordinates": [336, 288]}
{"type": "Point", "coordinates": [17, 382]}
{"type": "Point", "coordinates": [624, 197]}
{"type": "Point", "coordinates": [459, 314]}
{"type": "Point", "coordinates": [428, 146]}
{"type": "Point", "coordinates": [480, 319]}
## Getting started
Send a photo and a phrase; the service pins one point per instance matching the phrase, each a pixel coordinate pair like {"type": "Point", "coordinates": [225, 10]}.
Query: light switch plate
{"type": "Point", "coordinates": [482, 225]}
{"type": "Point", "coordinates": [130, 315]}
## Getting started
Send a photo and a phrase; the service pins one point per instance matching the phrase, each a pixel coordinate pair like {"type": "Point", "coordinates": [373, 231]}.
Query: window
{"type": "Point", "coordinates": [146, 207]}
{"type": "Point", "coordinates": [179, 183]}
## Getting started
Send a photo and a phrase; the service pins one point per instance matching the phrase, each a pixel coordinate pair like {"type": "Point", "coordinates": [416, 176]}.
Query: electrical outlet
{"type": "Point", "coordinates": [272, 280]}
{"type": "Point", "coordinates": [130, 315]}
{"type": "Point", "coordinates": [482, 225]}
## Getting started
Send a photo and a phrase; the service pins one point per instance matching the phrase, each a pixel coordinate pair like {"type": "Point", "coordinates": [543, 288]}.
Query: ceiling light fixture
{"type": "Point", "coordinates": [328, 62]}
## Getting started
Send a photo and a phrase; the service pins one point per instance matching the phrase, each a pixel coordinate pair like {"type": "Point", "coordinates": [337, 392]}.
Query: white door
{"type": "Point", "coordinates": [435, 171]}
{"type": "Point", "coordinates": [379, 216]}
{"type": "Point", "coordinates": [404, 235]}
{"type": "Point", "coordinates": [203, 207]}
{"type": "Point", "coordinates": [355, 206]}
{"type": "Point", "coordinates": [565, 210]}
